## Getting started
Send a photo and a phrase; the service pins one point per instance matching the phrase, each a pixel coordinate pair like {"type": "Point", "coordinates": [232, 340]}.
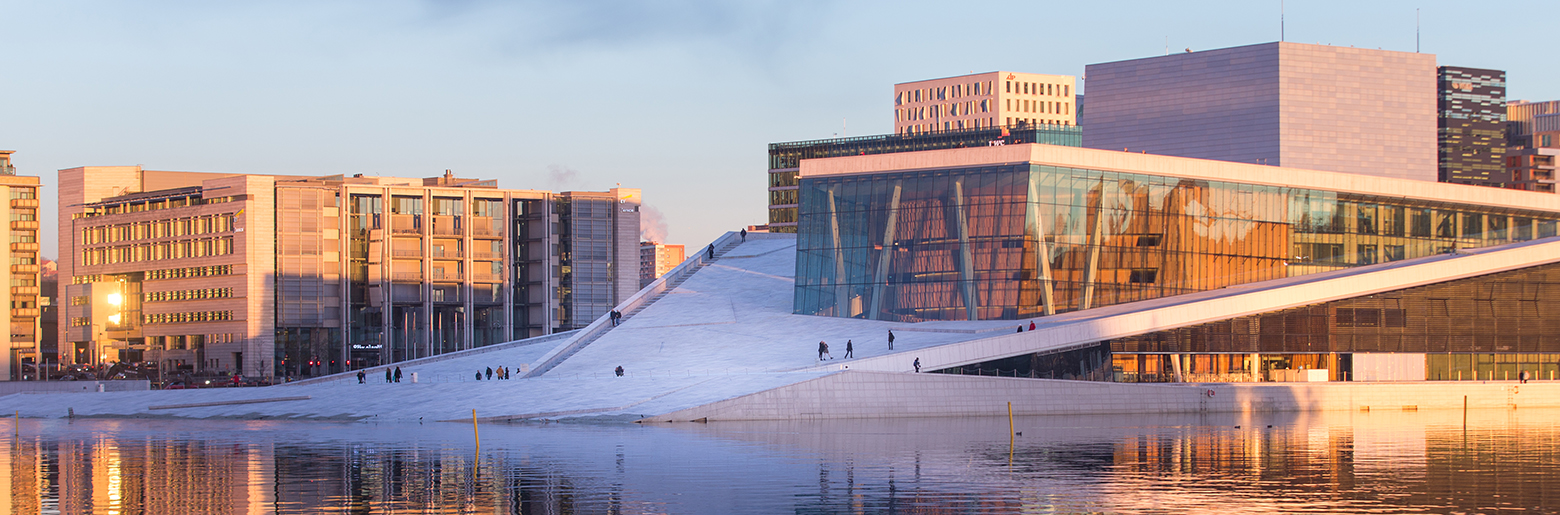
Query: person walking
{"type": "Point", "coordinates": [619, 371]}
{"type": "Point", "coordinates": [397, 374]}
{"type": "Point", "coordinates": [823, 350]}
{"type": "Point", "coordinates": [710, 252]}
{"type": "Point", "coordinates": [850, 350]}
{"type": "Point", "coordinates": [1031, 326]}
{"type": "Point", "coordinates": [361, 376]}
{"type": "Point", "coordinates": [490, 373]}
{"type": "Point", "coordinates": [917, 365]}
{"type": "Point", "coordinates": [890, 339]}
{"type": "Point", "coordinates": [388, 377]}
{"type": "Point", "coordinates": [479, 375]}
{"type": "Point", "coordinates": [744, 235]}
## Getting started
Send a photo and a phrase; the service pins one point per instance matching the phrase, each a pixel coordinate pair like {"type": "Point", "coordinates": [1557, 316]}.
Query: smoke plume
{"type": "Point", "coordinates": [652, 224]}
{"type": "Point", "coordinates": [560, 178]}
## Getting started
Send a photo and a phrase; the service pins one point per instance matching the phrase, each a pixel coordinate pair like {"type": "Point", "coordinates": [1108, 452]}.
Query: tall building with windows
{"type": "Point", "coordinates": [1533, 139]}
{"type": "Point", "coordinates": [299, 276]}
{"type": "Point", "coordinates": [1352, 110]}
{"type": "Point", "coordinates": [1472, 125]}
{"type": "Point", "coordinates": [992, 99]}
{"type": "Point", "coordinates": [656, 259]}
{"type": "Point", "coordinates": [21, 231]}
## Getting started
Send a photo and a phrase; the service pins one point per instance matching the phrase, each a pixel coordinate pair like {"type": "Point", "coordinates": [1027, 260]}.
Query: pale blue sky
{"type": "Point", "coordinates": [678, 98]}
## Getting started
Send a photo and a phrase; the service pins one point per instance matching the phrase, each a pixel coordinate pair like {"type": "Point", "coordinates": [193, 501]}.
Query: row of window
{"type": "Point", "coordinates": [192, 316]}
{"type": "Point", "coordinates": [152, 205]}
{"type": "Point", "coordinates": [194, 271]}
{"type": "Point", "coordinates": [157, 251]}
{"type": "Point", "coordinates": [199, 294]}
{"type": "Point", "coordinates": [1036, 106]}
{"type": "Point", "coordinates": [187, 341]}
{"type": "Point", "coordinates": [195, 225]}
{"type": "Point", "coordinates": [1035, 88]}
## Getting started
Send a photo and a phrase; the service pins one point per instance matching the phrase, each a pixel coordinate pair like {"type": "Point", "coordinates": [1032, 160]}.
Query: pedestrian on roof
{"type": "Point", "coordinates": [744, 235]}
{"type": "Point", "coordinates": [490, 373]}
{"type": "Point", "coordinates": [710, 251]}
{"type": "Point", "coordinates": [619, 371]}
{"type": "Point", "coordinates": [361, 376]}
{"type": "Point", "coordinates": [479, 375]}
{"type": "Point", "coordinates": [890, 339]}
{"type": "Point", "coordinates": [823, 349]}
{"type": "Point", "coordinates": [1031, 326]}
{"type": "Point", "coordinates": [917, 365]}
{"type": "Point", "coordinates": [388, 376]}
{"type": "Point", "coordinates": [397, 374]}
{"type": "Point", "coordinates": [850, 350]}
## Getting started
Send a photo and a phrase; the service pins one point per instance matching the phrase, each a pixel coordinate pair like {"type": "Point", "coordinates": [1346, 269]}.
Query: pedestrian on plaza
{"type": "Point", "coordinates": [1031, 326]}
{"type": "Point", "coordinates": [850, 350]}
{"type": "Point", "coordinates": [479, 375]}
{"type": "Point", "coordinates": [917, 365]}
{"type": "Point", "coordinates": [619, 371]}
{"type": "Point", "coordinates": [490, 373]}
{"type": "Point", "coordinates": [744, 235]}
{"type": "Point", "coordinates": [1020, 329]}
{"type": "Point", "coordinates": [397, 374]}
{"type": "Point", "coordinates": [823, 349]}
{"type": "Point", "coordinates": [389, 378]}
{"type": "Point", "coordinates": [361, 376]}
{"type": "Point", "coordinates": [890, 339]}
{"type": "Point", "coordinates": [710, 252]}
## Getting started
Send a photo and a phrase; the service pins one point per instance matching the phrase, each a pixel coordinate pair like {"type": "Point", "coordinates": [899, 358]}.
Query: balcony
{"type": "Point", "coordinates": [405, 224]}
{"type": "Point", "coordinates": [486, 254]}
{"type": "Point", "coordinates": [24, 202]}
{"type": "Point", "coordinates": [24, 312]}
{"type": "Point", "coordinates": [22, 225]}
{"type": "Point", "coordinates": [487, 278]}
{"type": "Point", "coordinates": [406, 253]}
{"type": "Point", "coordinates": [31, 291]}
{"type": "Point", "coordinates": [414, 277]}
{"type": "Point", "coordinates": [24, 269]}
{"type": "Point", "coordinates": [24, 247]}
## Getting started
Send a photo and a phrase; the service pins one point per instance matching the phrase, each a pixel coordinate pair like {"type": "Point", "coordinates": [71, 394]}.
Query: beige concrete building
{"type": "Point", "coordinates": [1352, 110]}
{"type": "Point", "coordinates": [299, 276]}
{"type": "Point", "coordinates": [992, 99]}
{"type": "Point", "coordinates": [21, 231]}
{"type": "Point", "coordinates": [656, 259]}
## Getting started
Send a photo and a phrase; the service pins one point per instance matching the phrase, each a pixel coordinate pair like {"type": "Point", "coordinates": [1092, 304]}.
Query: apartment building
{"type": "Point", "coordinates": [300, 276]}
{"type": "Point", "coordinates": [21, 231]}
{"type": "Point", "coordinates": [992, 99]}
{"type": "Point", "coordinates": [656, 259]}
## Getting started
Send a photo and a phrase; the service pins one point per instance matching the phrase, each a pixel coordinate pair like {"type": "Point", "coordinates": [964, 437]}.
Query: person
{"type": "Point", "coordinates": [823, 348]}
{"type": "Point", "coordinates": [917, 365]}
{"type": "Point", "coordinates": [479, 375]}
{"type": "Point", "coordinates": [616, 316]}
{"type": "Point", "coordinates": [361, 376]}
{"type": "Point", "coordinates": [619, 371]}
{"type": "Point", "coordinates": [1522, 377]}
{"type": "Point", "coordinates": [744, 235]}
{"type": "Point", "coordinates": [850, 350]}
{"type": "Point", "coordinates": [710, 251]}
{"type": "Point", "coordinates": [490, 373]}
{"type": "Point", "coordinates": [397, 374]}
{"type": "Point", "coordinates": [1031, 326]}
{"type": "Point", "coordinates": [890, 339]}
{"type": "Point", "coordinates": [1020, 329]}
{"type": "Point", "coordinates": [389, 378]}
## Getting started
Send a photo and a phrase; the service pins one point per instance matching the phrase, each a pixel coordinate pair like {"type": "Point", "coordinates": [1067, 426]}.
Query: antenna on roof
{"type": "Point", "coordinates": [1416, 30]}
{"type": "Point", "coordinates": [1281, 20]}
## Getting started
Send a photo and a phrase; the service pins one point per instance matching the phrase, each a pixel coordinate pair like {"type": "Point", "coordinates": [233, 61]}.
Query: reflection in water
{"type": "Point", "coordinates": [1338, 462]}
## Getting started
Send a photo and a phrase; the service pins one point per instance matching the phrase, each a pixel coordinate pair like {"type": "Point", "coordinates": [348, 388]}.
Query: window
{"type": "Point", "coordinates": [1143, 276]}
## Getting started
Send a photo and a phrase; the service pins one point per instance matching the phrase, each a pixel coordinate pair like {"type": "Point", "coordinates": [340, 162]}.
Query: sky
{"type": "Point", "coordinates": [676, 97]}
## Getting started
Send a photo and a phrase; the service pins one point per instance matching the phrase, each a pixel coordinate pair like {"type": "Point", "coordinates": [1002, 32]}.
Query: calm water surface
{"type": "Point", "coordinates": [1503, 461]}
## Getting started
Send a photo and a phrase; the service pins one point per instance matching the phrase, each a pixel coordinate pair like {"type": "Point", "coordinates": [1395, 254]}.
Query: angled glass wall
{"type": "Point", "coordinates": [1025, 240]}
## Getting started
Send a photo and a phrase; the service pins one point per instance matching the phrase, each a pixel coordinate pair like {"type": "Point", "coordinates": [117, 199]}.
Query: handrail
{"type": "Point", "coordinates": [604, 323]}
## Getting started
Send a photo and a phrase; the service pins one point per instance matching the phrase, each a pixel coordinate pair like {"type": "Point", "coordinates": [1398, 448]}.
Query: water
{"type": "Point", "coordinates": [1375, 462]}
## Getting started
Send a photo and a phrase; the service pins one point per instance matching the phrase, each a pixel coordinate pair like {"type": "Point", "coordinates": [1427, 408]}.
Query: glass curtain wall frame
{"type": "Point", "coordinates": [996, 242]}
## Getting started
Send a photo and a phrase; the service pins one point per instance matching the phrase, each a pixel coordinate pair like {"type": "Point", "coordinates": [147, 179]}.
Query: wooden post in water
{"type": "Point", "coordinates": [1465, 413]}
{"type": "Point", "coordinates": [474, 434]}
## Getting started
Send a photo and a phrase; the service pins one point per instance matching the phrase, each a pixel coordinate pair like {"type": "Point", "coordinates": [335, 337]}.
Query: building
{"type": "Point", "coordinates": [22, 232]}
{"type": "Point", "coordinates": [1533, 139]}
{"type": "Point", "coordinates": [656, 259]}
{"type": "Point", "coordinates": [1472, 117]}
{"type": "Point", "coordinates": [1030, 231]}
{"type": "Point", "coordinates": [270, 275]}
{"type": "Point", "coordinates": [1352, 110]}
{"type": "Point", "coordinates": [982, 100]}
{"type": "Point", "coordinates": [785, 158]}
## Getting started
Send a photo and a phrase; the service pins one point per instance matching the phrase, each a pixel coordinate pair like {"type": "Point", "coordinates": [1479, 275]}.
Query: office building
{"type": "Point", "coordinates": [1472, 118]}
{"type": "Point", "coordinates": [21, 231]}
{"type": "Point", "coordinates": [785, 158]}
{"type": "Point", "coordinates": [297, 276]}
{"type": "Point", "coordinates": [1351, 110]}
{"type": "Point", "coordinates": [656, 259]}
{"type": "Point", "coordinates": [1533, 139]}
{"type": "Point", "coordinates": [992, 99]}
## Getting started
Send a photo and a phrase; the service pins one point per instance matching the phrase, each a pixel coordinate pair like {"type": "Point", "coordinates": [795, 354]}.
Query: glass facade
{"type": "Point", "coordinates": [1026, 240]}
{"type": "Point", "coordinates": [1472, 126]}
{"type": "Point", "coordinates": [785, 158]}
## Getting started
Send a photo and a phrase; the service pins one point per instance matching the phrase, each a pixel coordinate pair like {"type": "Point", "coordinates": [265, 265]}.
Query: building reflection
{"type": "Point", "coordinates": [1330, 462]}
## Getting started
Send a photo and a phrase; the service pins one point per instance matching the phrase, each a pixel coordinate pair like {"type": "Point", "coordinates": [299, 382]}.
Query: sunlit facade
{"type": "Point", "coordinates": [1028, 231]}
{"type": "Point", "coordinates": [19, 210]}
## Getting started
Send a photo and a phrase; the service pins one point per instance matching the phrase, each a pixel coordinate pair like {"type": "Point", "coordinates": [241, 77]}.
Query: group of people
{"type": "Point", "coordinates": [390, 377]}
{"type": "Point", "coordinates": [502, 372]}
{"type": "Point", "coordinates": [850, 350]}
{"type": "Point", "coordinates": [616, 316]}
